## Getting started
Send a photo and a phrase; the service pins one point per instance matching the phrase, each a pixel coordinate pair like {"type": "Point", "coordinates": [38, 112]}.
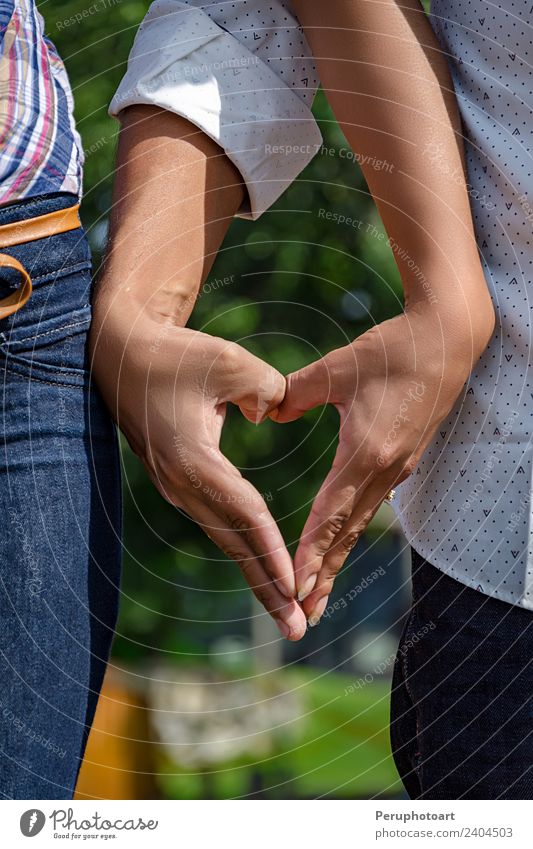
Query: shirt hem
{"type": "Point", "coordinates": [475, 584]}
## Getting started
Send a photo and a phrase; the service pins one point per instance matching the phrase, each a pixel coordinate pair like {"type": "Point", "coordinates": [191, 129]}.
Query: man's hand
{"type": "Point", "coordinates": [392, 387]}
{"type": "Point", "coordinates": [168, 388]}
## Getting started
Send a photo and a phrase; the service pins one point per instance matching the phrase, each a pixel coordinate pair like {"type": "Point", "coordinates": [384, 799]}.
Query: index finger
{"type": "Point", "coordinates": [366, 505]}
{"type": "Point", "coordinates": [286, 613]}
{"type": "Point", "coordinates": [331, 510]}
{"type": "Point", "coordinates": [240, 506]}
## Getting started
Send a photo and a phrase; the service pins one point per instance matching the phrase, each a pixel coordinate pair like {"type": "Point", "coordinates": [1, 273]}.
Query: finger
{"type": "Point", "coordinates": [208, 477]}
{"type": "Point", "coordinates": [307, 388]}
{"type": "Point", "coordinates": [286, 613]}
{"type": "Point", "coordinates": [365, 507]}
{"type": "Point", "coordinates": [245, 380]}
{"type": "Point", "coordinates": [331, 510]}
{"type": "Point", "coordinates": [240, 506]}
{"type": "Point", "coordinates": [319, 383]}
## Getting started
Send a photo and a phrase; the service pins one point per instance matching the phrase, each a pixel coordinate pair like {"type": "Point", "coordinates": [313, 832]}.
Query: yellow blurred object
{"type": "Point", "coordinates": [119, 759]}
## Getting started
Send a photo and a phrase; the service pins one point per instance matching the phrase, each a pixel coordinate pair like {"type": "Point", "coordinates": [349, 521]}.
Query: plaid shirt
{"type": "Point", "coordinates": [40, 150]}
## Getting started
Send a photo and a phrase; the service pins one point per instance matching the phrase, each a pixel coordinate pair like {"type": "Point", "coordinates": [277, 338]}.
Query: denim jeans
{"type": "Point", "coordinates": [462, 693]}
{"type": "Point", "coordinates": [61, 518]}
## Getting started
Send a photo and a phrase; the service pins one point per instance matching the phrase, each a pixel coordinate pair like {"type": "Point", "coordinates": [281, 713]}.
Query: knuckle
{"type": "Point", "coordinates": [336, 522]}
{"type": "Point", "coordinates": [381, 457]}
{"type": "Point", "coordinates": [330, 570]}
{"type": "Point", "coordinates": [229, 359]}
{"type": "Point", "coordinates": [246, 565]}
{"type": "Point", "coordinates": [407, 469]}
{"type": "Point", "coordinates": [262, 517]}
{"type": "Point", "coordinates": [239, 524]}
{"type": "Point", "coordinates": [390, 458]}
{"type": "Point", "coordinates": [321, 547]}
{"type": "Point", "coordinates": [278, 389]}
{"type": "Point", "coordinates": [234, 516]}
{"type": "Point", "coordinates": [348, 542]}
{"type": "Point", "coordinates": [244, 527]}
{"type": "Point", "coordinates": [265, 598]}
{"type": "Point", "coordinates": [238, 555]}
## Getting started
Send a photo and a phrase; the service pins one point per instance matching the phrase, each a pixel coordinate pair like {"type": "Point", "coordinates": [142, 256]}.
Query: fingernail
{"type": "Point", "coordinates": [307, 588]}
{"type": "Point", "coordinates": [285, 588]}
{"type": "Point", "coordinates": [261, 411]}
{"type": "Point", "coordinates": [283, 628]}
{"type": "Point", "coordinates": [317, 613]}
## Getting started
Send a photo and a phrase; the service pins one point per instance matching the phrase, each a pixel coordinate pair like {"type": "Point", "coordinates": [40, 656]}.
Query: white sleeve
{"type": "Point", "coordinates": [250, 90]}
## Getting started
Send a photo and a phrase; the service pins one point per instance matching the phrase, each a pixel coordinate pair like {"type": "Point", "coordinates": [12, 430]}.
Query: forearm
{"type": "Point", "coordinates": [389, 86]}
{"type": "Point", "coordinates": [174, 196]}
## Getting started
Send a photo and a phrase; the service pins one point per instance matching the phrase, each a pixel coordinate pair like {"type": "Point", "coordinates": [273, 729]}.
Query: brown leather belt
{"type": "Point", "coordinates": [20, 232]}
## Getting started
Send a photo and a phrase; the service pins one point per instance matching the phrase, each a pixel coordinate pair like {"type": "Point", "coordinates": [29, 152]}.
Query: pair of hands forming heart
{"type": "Point", "coordinates": [391, 387]}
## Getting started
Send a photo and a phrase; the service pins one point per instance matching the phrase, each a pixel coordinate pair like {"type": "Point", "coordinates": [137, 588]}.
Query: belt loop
{"type": "Point", "coordinates": [17, 300]}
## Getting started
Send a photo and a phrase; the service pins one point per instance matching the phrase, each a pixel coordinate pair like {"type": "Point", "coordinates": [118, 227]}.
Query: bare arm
{"type": "Point", "coordinates": [167, 386]}
{"type": "Point", "coordinates": [174, 197]}
{"type": "Point", "coordinates": [390, 89]}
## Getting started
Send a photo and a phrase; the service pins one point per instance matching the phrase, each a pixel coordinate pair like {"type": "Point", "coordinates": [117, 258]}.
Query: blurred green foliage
{"type": "Point", "coordinates": [343, 751]}
{"type": "Point", "coordinates": [300, 285]}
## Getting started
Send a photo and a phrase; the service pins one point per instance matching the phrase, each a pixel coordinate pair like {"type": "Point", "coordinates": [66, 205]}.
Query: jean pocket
{"type": "Point", "coordinates": [53, 350]}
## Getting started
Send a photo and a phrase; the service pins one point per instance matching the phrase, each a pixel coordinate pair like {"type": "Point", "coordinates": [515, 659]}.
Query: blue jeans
{"type": "Point", "coordinates": [61, 518]}
{"type": "Point", "coordinates": [462, 693]}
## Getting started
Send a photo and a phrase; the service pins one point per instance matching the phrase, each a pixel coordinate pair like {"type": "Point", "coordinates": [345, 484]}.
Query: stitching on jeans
{"type": "Point", "coordinates": [29, 204]}
{"type": "Point", "coordinates": [80, 385]}
{"type": "Point", "coordinates": [78, 266]}
{"type": "Point", "coordinates": [48, 332]}
{"type": "Point", "coordinates": [72, 373]}
{"type": "Point", "coordinates": [66, 269]}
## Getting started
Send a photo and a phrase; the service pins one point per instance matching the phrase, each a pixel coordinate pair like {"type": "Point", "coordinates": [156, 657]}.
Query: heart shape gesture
{"type": "Point", "coordinates": [392, 387]}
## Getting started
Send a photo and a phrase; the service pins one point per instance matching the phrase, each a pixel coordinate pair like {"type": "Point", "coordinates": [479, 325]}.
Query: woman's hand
{"type": "Point", "coordinates": [392, 387]}
{"type": "Point", "coordinates": [168, 388]}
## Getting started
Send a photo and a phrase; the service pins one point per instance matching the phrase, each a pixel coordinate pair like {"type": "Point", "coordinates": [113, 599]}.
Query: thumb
{"type": "Point", "coordinates": [255, 386]}
{"type": "Point", "coordinates": [307, 388]}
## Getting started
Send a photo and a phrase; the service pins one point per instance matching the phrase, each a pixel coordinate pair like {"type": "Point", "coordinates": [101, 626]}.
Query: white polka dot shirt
{"type": "Point", "coordinates": [467, 509]}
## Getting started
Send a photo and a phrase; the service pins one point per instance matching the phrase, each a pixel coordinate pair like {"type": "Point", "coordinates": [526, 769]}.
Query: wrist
{"type": "Point", "coordinates": [138, 294]}
{"type": "Point", "coordinates": [122, 333]}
